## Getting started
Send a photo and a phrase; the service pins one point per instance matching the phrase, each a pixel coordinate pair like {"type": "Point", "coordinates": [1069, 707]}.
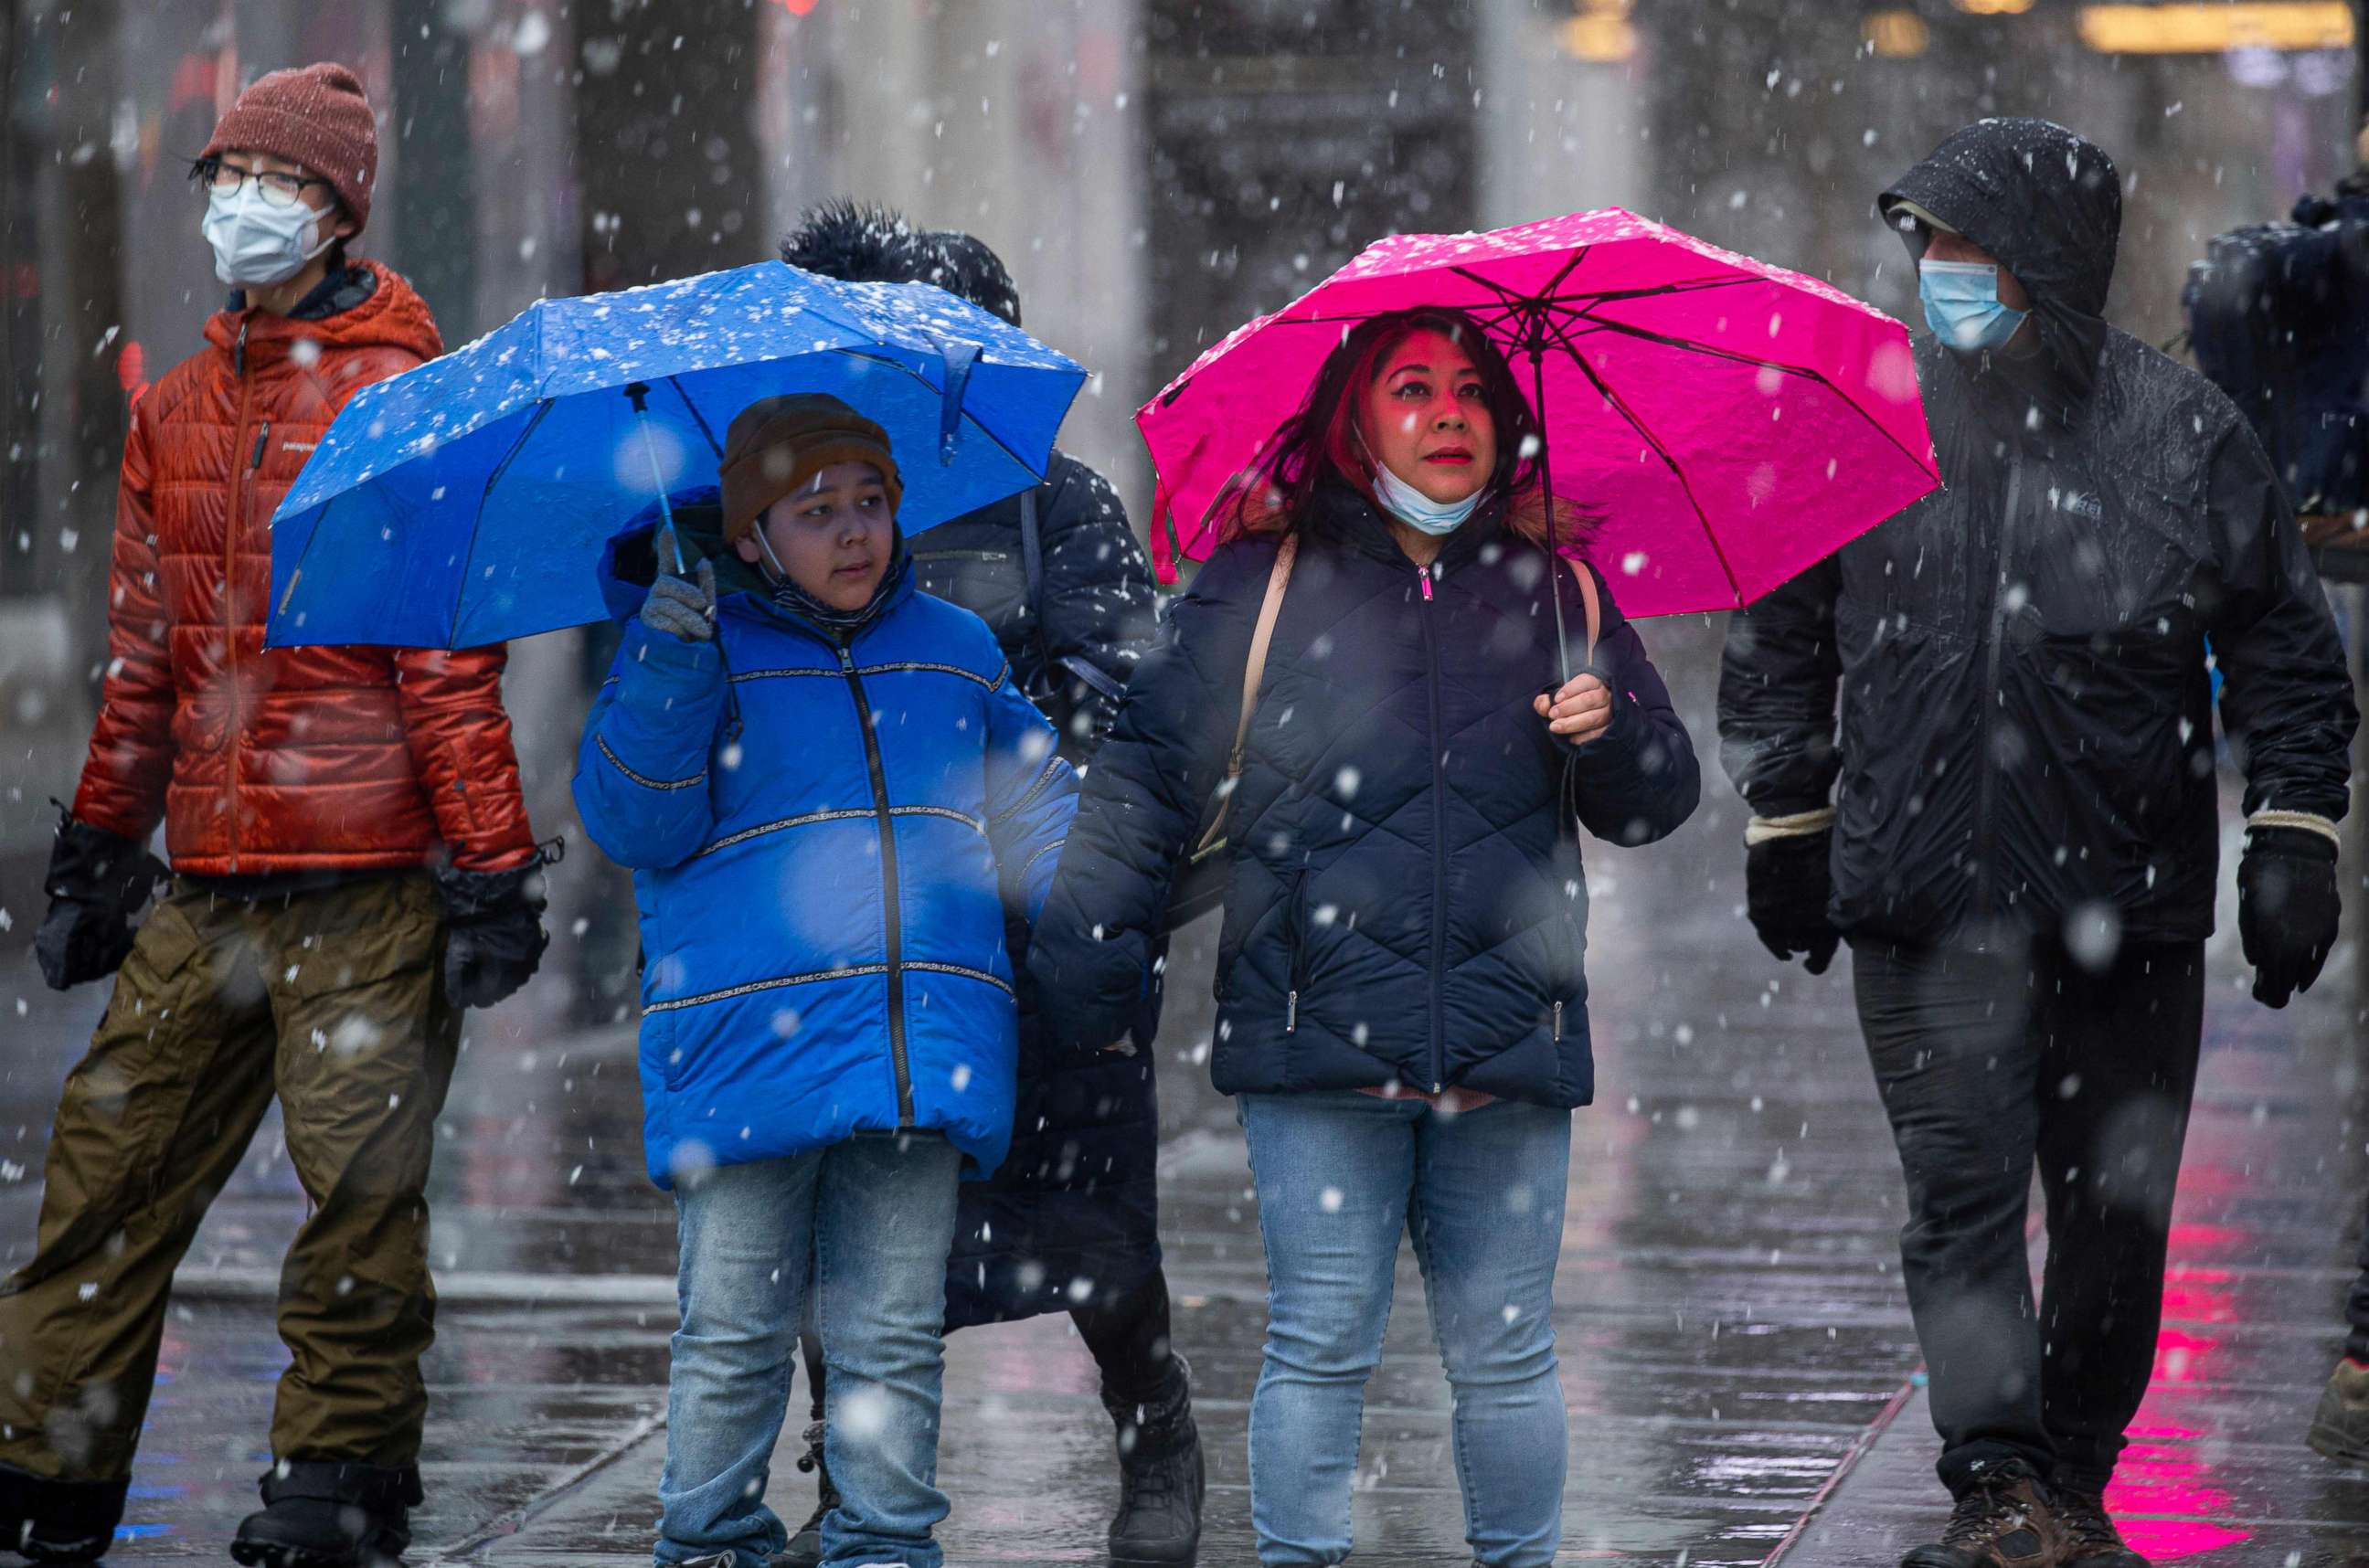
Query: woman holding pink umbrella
{"type": "Point", "coordinates": [1366, 674]}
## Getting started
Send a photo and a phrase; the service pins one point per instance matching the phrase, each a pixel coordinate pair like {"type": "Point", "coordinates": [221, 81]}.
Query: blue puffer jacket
{"type": "Point", "coordinates": [824, 840]}
{"type": "Point", "coordinates": [1406, 902]}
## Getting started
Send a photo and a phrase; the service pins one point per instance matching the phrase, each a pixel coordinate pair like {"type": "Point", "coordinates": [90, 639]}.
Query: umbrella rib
{"type": "Point", "coordinates": [696, 418]}
{"type": "Point", "coordinates": [1561, 302]}
{"type": "Point", "coordinates": [477, 522]}
{"type": "Point", "coordinates": [1819, 377]}
{"type": "Point", "coordinates": [975, 422]}
{"type": "Point", "coordinates": [1735, 589]}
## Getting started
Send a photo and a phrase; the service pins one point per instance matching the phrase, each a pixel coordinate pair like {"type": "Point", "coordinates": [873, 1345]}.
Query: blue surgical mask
{"type": "Point", "coordinates": [1417, 511]}
{"type": "Point", "coordinates": [256, 244]}
{"type": "Point", "coordinates": [1961, 305]}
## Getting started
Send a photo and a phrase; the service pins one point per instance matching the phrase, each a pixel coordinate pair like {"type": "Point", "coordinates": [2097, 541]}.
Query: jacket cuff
{"type": "Point", "coordinates": [2298, 821]}
{"type": "Point", "coordinates": [1621, 735]}
{"type": "Point", "coordinates": [1801, 824]}
{"type": "Point", "coordinates": [668, 656]}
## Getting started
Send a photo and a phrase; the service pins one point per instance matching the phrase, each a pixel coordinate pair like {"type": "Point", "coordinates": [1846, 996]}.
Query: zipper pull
{"type": "Point", "coordinates": [845, 662]}
{"type": "Point", "coordinates": [238, 355]}
{"type": "Point", "coordinates": [261, 437]}
{"type": "Point", "coordinates": [1291, 1013]}
{"type": "Point", "coordinates": [1424, 573]}
{"type": "Point", "coordinates": [1558, 1023]}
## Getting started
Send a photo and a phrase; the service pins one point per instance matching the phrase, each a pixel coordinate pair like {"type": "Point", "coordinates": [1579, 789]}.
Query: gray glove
{"type": "Point", "coordinates": [683, 607]}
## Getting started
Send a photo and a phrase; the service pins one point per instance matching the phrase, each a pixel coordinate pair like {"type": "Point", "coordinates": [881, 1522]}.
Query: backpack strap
{"type": "Point", "coordinates": [1032, 555]}
{"type": "Point", "coordinates": [1587, 596]}
{"type": "Point", "coordinates": [1253, 672]}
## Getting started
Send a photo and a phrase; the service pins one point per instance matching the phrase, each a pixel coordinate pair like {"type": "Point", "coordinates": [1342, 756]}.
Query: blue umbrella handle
{"type": "Point", "coordinates": [637, 394]}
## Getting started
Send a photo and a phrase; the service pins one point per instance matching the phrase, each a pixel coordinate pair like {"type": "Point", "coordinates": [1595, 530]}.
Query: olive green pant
{"type": "Point", "coordinates": [329, 999]}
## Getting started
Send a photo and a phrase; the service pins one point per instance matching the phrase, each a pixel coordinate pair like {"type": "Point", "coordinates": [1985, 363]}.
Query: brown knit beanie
{"type": "Point", "coordinates": [317, 116]}
{"type": "Point", "coordinates": [778, 444]}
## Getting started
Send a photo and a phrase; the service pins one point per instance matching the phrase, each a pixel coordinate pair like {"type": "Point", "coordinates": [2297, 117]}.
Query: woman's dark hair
{"type": "Point", "coordinates": [1321, 441]}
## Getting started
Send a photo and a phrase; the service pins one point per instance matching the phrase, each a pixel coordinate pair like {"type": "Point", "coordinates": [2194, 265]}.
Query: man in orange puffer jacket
{"type": "Point", "coordinates": [351, 866]}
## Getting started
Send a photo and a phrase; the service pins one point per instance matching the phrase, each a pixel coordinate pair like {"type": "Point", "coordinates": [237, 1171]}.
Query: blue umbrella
{"type": "Point", "coordinates": [466, 501]}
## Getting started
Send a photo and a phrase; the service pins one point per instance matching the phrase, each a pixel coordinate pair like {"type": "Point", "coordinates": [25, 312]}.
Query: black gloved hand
{"type": "Point", "coordinates": [494, 930]}
{"type": "Point", "coordinates": [1787, 882]}
{"type": "Point", "coordinates": [96, 882]}
{"type": "Point", "coordinates": [2288, 910]}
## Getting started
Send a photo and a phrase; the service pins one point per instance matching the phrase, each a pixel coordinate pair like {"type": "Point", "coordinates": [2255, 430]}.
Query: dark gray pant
{"type": "Point", "coordinates": [1988, 1062]}
{"type": "Point", "coordinates": [2356, 1307]}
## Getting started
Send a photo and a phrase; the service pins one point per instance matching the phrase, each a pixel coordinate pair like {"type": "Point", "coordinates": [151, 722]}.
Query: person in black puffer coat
{"type": "Point", "coordinates": [2016, 829]}
{"type": "Point", "coordinates": [1402, 998]}
{"type": "Point", "coordinates": [1071, 1222]}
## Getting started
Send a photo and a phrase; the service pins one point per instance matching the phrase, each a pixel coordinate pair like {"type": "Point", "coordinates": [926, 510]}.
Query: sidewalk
{"type": "Point", "coordinates": [1730, 1319]}
{"type": "Point", "coordinates": [2217, 1470]}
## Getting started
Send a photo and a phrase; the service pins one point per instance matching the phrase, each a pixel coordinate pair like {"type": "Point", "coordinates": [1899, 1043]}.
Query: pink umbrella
{"type": "Point", "coordinates": [1732, 422]}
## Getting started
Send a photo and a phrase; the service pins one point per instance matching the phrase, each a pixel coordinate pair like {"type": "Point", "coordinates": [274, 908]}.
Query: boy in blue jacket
{"type": "Point", "coordinates": [830, 793]}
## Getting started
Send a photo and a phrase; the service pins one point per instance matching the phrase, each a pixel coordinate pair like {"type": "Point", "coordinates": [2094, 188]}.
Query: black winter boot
{"type": "Point", "coordinates": [804, 1550]}
{"type": "Point", "coordinates": [44, 1520]}
{"type": "Point", "coordinates": [322, 1514]}
{"type": "Point", "coordinates": [1160, 1475]}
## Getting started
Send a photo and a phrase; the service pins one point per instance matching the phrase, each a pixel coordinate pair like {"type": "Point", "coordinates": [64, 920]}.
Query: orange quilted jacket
{"type": "Point", "coordinates": [264, 761]}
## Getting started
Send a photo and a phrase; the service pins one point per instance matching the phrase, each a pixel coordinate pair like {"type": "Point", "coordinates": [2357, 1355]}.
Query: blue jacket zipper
{"type": "Point", "coordinates": [887, 885]}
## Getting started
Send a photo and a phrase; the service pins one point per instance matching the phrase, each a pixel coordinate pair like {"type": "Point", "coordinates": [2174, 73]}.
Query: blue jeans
{"type": "Point", "coordinates": [1341, 1176]}
{"type": "Point", "coordinates": [866, 1225]}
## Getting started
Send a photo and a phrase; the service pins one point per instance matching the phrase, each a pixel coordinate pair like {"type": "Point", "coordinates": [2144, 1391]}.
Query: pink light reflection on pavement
{"type": "Point", "coordinates": [2161, 1472]}
{"type": "Point", "coordinates": [2155, 1477]}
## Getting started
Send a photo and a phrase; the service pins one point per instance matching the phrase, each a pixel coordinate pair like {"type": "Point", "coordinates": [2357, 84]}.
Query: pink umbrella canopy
{"type": "Point", "coordinates": [1731, 422]}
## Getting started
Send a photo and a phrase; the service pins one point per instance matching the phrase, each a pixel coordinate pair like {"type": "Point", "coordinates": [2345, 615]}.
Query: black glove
{"type": "Point", "coordinates": [96, 882]}
{"type": "Point", "coordinates": [2287, 909]}
{"type": "Point", "coordinates": [494, 935]}
{"type": "Point", "coordinates": [1787, 882]}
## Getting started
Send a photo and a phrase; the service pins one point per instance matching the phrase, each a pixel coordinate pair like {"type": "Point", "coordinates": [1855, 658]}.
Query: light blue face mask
{"type": "Point", "coordinates": [1961, 305]}
{"type": "Point", "coordinates": [1417, 511]}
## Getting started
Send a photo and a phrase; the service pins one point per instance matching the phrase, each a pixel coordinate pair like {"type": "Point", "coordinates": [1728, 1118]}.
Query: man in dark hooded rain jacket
{"type": "Point", "coordinates": [1070, 1223]}
{"type": "Point", "coordinates": [2016, 829]}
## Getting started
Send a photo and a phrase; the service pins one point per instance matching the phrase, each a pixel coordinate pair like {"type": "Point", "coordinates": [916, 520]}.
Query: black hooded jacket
{"type": "Point", "coordinates": [1406, 902]}
{"type": "Point", "coordinates": [2026, 730]}
{"type": "Point", "coordinates": [1074, 642]}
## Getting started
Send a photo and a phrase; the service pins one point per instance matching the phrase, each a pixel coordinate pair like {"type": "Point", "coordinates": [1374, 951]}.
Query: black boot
{"type": "Point", "coordinates": [1160, 1475]}
{"type": "Point", "coordinates": [804, 1550]}
{"type": "Point", "coordinates": [322, 1514]}
{"type": "Point", "coordinates": [58, 1521]}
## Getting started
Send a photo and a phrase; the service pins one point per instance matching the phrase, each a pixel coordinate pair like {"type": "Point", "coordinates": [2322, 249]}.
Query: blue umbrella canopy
{"type": "Point", "coordinates": [467, 500]}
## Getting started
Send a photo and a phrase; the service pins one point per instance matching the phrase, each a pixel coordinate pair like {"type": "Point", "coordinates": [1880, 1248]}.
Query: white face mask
{"type": "Point", "coordinates": [256, 244]}
{"type": "Point", "coordinates": [1417, 511]}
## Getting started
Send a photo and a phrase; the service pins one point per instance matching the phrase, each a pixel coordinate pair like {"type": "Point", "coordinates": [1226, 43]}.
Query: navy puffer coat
{"type": "Point", "coordinates": [1406, 901]}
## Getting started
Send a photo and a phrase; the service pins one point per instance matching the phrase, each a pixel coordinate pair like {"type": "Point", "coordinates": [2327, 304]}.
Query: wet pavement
{"type": "Point", "coordinates": [1735, 1346]}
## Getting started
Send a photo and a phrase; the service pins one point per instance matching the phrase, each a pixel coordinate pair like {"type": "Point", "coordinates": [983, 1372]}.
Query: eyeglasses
{"type": "Point", "coordinates": [279, 189]}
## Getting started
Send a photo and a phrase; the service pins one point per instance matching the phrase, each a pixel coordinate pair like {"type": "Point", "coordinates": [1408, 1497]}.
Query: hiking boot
{"type": "Point", "coordinates": [1161, 1479]}
{"type": "Point", "coordinates": [2003, 1519]}
{"type": "Point", "coordinates": [322, 1513]}
{"type": "Point", "coordinates": [46, 1520]}
{"type": "Point", "coordinates": [804, 1550]}
{"type": "Point", "coordinates": [2090, 1539]}
{"type": "Point", "coordinates": [2339, 1428]}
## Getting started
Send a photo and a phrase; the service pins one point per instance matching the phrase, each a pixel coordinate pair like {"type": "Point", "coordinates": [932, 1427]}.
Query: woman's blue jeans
{"type": "Point", "coordinates": [1341, 1176]}
{"type": "Point", "coordinates": [866, 1225]}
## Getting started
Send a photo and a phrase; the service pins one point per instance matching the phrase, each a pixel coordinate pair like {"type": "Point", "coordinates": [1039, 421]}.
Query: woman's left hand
{"type": "Point", "coordinates": [1579, 713]}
